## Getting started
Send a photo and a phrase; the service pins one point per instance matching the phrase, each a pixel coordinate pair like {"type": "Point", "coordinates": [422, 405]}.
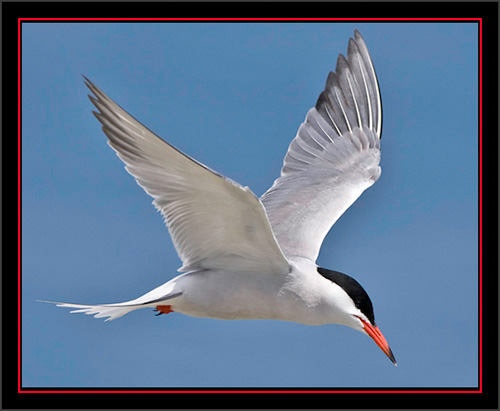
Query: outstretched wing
{"type": "Point", "coordinates": [214, 222]}
{"type": "Point", "coordinates": [332, 160]}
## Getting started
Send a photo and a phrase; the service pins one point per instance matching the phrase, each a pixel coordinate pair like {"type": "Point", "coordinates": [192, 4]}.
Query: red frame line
{"type": "Point", "coordinates": [480, 205]}
{"type": "Point", "coordinates": [19, 204]}
{"type": "Point", "coordinates": [256, 19]}
{"type": "Point", "coordinates": [249, 391]}
{"type": "Point", "coordinates": [254, 391]}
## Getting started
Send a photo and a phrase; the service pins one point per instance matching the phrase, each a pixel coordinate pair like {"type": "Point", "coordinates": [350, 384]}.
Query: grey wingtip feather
{"type": "Point", "coordinates": [88, 83]}
{"type": "Point", "coordinates": [357, 34]}
{"type": "Point", "coordinates": [342, 63]}
{"type": "Point", "coordinates": [321, 100]}
{"type": "Point", "coordinates": [96, 91]}
{"type": "Point", "coordinates": [331, 80]}
{"type": "Point", "coordinates": [352, 48]}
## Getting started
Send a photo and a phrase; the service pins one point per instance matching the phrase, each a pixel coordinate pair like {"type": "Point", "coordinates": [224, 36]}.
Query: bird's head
{"type": "Point", "coordinates": [357, 309]}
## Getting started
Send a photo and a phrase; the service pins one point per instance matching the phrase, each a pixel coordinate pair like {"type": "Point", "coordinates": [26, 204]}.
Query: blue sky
{"type": "Point", "coordinates": [233, 96]}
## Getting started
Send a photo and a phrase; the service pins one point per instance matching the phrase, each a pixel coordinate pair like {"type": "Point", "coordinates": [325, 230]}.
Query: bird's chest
{"type": "Point", "coordinates": [300, 301]}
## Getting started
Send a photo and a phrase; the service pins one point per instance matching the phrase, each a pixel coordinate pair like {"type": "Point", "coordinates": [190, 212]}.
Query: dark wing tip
{"type": "Point", "coordinates": [88, 83]}
{"type": "Point", "coordinates": [341, 63]}
{"type": "Point", "coordinates": [321, 102]}
{"type": "Point", "coordinates": [352, 48]}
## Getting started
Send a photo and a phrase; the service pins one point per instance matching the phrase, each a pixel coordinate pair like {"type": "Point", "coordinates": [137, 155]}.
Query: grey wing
{"type": "Point", "coordinates": [214, 222]}
{"type": "Point", "coordinates": [334, 157]}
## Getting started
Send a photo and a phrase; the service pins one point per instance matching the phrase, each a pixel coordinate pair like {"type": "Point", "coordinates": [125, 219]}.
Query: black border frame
{"type": "Point", "coordinates": [224, 398]}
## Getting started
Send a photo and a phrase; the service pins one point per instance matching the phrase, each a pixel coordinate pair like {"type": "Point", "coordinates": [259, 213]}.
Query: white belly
{"type": "Point", "coordinates": [228, 296]}
{"type": "Point", "coordinates": [296, 297]}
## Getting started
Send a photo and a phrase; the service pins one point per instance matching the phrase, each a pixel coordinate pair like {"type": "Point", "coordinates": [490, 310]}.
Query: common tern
{"type": "Point", "coordinates": [245, 257]}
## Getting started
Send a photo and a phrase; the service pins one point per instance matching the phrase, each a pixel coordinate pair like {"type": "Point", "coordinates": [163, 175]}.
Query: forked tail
{"type": "Point", "coordinates": [154, 298]}
{"type": "Point", "coordinates": [112, 311]}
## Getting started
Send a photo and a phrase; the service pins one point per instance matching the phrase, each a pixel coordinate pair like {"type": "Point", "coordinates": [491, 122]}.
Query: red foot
{"type": "Point", "coordinates": [164, 309]}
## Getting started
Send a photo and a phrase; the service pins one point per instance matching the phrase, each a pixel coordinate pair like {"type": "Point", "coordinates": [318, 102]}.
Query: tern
{"type": "Point", "coordinates": [245, 257]}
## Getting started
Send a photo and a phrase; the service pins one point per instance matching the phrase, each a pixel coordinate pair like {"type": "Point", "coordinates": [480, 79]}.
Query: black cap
{"type": "Point", "coordinates": [353, 289]}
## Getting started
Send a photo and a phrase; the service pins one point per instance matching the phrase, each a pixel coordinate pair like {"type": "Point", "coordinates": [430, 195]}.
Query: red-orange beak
{"type": "Point", "coordinates": [374, 332]}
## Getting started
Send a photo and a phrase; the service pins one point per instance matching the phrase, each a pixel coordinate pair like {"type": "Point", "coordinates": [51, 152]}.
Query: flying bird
{"type": "Point", "coordinates": [245, 257]}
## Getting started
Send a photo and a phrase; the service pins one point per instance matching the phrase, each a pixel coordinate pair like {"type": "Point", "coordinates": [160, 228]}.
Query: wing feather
{"type": "Point", "coordinates": [334, 157]}
{"type": "Point", "coordinates": [214, 222]}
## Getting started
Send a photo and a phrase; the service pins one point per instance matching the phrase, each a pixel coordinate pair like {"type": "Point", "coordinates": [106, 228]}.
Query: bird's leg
{"type": "Point", "coordinates": [164, 309]}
